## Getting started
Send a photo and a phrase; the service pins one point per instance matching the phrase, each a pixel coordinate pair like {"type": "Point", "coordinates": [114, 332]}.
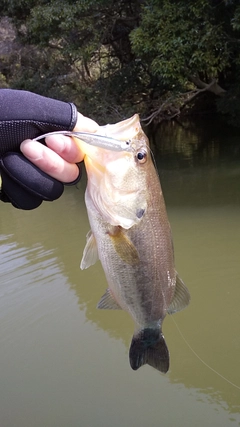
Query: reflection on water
{"type": "Point", "coordinates": [65, 363]}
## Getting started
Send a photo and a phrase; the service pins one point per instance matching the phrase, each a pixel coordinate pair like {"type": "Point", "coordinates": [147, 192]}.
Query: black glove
{"type": "Point", "coordinates": [26, 115]}
{"type": "Point", "coordinates": [24, 185]}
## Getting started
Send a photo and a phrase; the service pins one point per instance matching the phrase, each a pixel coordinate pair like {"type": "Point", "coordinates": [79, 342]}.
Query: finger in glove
{"type": "Point", "coordinates": [24, 185]}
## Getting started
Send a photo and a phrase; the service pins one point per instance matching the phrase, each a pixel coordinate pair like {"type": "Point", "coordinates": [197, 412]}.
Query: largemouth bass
{"type": "Point", "coordinates": [131, 235]}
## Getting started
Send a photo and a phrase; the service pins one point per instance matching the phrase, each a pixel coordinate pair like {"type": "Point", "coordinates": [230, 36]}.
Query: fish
{"type": "Point", "coordinates": [131, 236]}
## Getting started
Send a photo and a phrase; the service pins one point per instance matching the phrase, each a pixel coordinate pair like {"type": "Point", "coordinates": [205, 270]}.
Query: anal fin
{"type": "Point", "coordinates": [181, 296]}
{"type": "Point", "coordinates": [107, 302]}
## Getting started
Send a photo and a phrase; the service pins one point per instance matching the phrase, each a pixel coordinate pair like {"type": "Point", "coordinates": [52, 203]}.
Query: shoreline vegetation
{"type": "Point", "coordinates": [164, 59]}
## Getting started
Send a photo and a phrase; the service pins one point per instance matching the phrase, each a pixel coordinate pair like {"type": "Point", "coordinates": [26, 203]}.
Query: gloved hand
{"type": "Point", "coordinates": [26, 182]}
{"type": "Point", "coordinates": [25, 185]}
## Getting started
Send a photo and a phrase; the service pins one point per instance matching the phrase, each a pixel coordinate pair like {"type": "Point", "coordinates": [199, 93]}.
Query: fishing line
{"type": "Point", "coordinates": [201, 360]}
{"type": "Point", "coordinates": [154, 161]}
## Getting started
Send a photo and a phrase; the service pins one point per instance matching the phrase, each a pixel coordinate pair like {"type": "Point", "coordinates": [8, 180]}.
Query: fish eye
{"type": "Point", "coordinates": [142, 156]}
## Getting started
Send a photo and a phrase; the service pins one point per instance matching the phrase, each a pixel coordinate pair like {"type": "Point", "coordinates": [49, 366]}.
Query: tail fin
{"type": "Point", "coordinates": [149, 347]}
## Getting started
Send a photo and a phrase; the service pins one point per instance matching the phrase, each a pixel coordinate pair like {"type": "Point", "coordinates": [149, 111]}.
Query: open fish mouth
{"type": "Point", "coordinates": [94, 139]}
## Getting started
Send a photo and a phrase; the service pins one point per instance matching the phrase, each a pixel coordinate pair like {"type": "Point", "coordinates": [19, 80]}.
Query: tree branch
{"type": "Point", "coordinates": [212, 87]}
{"type": "Point", "coordinates": [166, 107]}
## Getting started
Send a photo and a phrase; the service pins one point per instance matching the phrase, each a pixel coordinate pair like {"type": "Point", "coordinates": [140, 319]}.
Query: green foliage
{"type": "Point", "coordinates": [3, 81]}
{"type": "Point", "coordinates": [182, 38]}
{"type": "Point", "coordinates": [236, 19]}
{"type": "Point", "coordinates": [84, 44]}
{"type": "Point", "coordinates": [113, 58]}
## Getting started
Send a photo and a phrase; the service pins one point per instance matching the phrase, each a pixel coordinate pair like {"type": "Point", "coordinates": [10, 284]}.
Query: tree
{"type": "Point", "coordinates": [86, 47]}
{"type": "Point", "coordinates": [115, 57]}
{"type": "Point", "coordinates": [189, 45]}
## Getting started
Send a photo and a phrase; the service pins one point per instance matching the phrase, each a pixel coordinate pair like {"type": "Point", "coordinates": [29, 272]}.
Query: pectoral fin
{"type": "Point", "coordinates": [181, 297]}
{"type": "Point", "coordinates": [90, 253]}
{"type": "Point", "coordinates": [123, 246]}
{"type": "Point", "coordinates": [107, 302]}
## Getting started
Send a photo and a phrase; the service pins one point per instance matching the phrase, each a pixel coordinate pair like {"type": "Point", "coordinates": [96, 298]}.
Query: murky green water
{"type": "Point", "coordinates": [65, 363]}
